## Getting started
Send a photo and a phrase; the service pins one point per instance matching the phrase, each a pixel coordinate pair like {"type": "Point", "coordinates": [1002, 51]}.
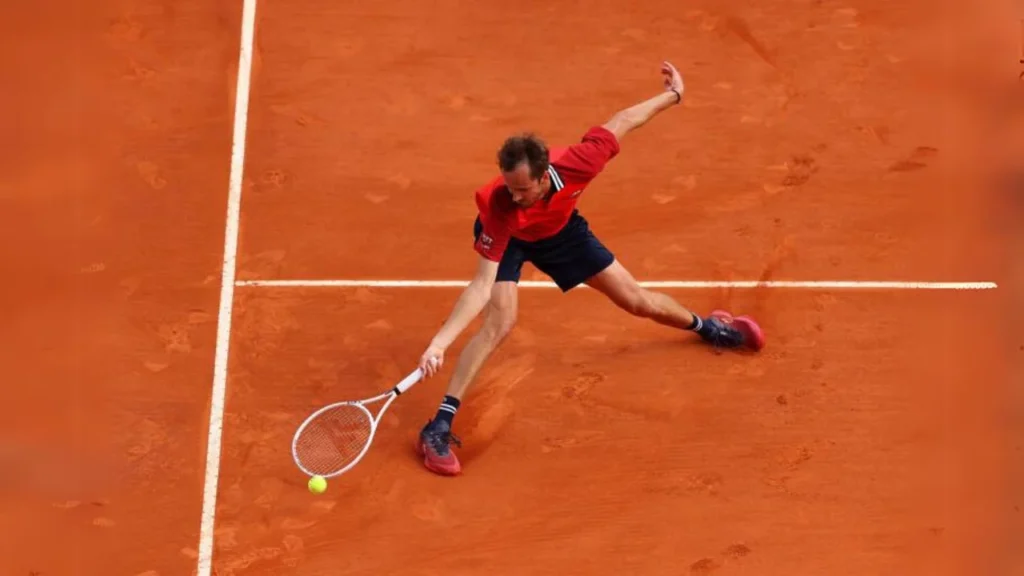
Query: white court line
{"type": "Point", "coordinates": [227, 291]}
{"type": "Point", "coordinates": [693, 284]}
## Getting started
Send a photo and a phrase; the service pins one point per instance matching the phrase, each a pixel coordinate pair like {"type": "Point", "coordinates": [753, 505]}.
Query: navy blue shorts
{"type": "Point", "coordinates": [570, 257]}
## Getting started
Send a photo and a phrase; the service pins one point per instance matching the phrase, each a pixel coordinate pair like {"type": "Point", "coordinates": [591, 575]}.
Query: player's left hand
{"type": "Point", "coordinates": [673, 80]}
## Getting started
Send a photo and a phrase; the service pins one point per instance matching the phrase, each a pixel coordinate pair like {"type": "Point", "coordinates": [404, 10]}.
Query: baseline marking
{"type": "Point", "coordinates": [692, 284]}
{"type": "Point", "coordinates": [227, 291]}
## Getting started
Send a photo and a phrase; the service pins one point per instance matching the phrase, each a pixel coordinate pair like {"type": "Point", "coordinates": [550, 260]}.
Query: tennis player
{"type": "Point", "coordinates": [528, 213]}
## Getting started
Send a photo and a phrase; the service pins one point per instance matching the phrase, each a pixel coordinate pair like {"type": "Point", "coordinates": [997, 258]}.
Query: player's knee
{"type": "Point", "coordinates": [640, 303]}
{"type": "Point", "coordinates": [501, 318]}
{"type": "Point", "coordinates": [499, 325]}
{"type": "Point", "coordinates": [504, 327]}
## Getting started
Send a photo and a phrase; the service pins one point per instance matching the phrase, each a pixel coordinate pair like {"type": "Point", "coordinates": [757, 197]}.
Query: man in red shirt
{"type": "Point", "coordinates": [528, 213]}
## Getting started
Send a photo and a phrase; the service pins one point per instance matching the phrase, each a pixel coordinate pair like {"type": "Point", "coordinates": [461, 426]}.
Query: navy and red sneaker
{"type": "Point", "coordinates": [434, 445]}
{"type": "Point", "coordinates": [724, 330]}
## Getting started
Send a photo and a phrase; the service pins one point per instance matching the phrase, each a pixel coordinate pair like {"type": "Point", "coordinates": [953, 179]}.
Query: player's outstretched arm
{"type": "Point", "coordinates": [629, 119]}
{"type": "Point", "coordinates": [469, 305]}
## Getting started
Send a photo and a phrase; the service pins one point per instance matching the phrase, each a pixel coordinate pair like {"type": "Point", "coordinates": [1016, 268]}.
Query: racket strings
{"type": "Point", "coordinates": [334, 439]}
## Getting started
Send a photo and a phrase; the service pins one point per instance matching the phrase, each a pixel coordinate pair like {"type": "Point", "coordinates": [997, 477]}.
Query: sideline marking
{"type": "Point", "coordinates": [227, 291]}
{"type": "Point", "coordinates": [799, 284]}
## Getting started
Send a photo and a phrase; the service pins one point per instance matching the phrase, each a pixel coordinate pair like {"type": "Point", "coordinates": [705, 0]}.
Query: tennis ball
{"type": "Point", "coordinates": [317, 484]}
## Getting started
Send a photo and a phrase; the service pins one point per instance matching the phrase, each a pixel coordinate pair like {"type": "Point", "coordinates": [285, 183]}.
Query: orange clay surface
{"type": "Point", "coordinates": [877, 433]}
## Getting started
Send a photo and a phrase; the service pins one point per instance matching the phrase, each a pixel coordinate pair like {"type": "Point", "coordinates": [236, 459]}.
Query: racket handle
{"type": "Point", "coordinates": [409, 381]}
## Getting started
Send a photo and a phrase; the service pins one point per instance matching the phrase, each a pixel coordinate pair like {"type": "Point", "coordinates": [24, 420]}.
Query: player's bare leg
{"type": "Point", "coordinates": [499, 319]}
{"type": "Point", "coordinates": [436, 436]}
{"type": "Point", "coordinates": [719, 328]}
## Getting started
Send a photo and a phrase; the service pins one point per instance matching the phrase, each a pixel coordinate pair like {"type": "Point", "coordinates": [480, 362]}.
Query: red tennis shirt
{"type": "Point", "coordinates": [571, 169]}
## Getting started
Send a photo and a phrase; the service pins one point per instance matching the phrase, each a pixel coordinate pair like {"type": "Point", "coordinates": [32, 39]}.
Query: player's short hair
{"type": "Point", "coordinates": [524, 148]}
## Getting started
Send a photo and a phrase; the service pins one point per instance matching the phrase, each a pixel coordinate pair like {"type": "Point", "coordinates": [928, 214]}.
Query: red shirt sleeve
{"type": "Point", "coordinates": [495, 232]}
{"type": "Point", "coordinates": [585, 160]}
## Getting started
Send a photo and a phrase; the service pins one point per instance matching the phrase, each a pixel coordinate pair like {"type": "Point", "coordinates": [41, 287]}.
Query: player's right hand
{"type": "Point", "coordinates": [431, 360]}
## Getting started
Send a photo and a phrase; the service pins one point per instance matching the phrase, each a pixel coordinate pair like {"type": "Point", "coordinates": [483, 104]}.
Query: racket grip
{"type": "Point", "coordinates": [409, 381]}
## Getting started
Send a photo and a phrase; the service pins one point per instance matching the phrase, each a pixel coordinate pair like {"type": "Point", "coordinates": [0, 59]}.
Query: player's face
{"type": "Point", "coordinates": [525, 190]}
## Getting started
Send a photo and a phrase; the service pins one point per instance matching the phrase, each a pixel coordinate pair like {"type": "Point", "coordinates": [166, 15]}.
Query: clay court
{"type": "Point", "coordinates": [820, 141]}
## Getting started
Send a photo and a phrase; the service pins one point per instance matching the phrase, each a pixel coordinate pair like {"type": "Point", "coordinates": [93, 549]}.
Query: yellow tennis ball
{"type": "Point", "coordinates": [317, 484]}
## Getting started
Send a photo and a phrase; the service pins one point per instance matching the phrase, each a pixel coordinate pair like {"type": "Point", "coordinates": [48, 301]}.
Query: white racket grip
{"type": "Point", "coordinates": [409, 381]}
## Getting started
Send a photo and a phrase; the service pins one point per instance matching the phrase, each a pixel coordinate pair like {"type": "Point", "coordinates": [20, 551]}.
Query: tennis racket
{"type": "Point", "coordinates": [336, 437]}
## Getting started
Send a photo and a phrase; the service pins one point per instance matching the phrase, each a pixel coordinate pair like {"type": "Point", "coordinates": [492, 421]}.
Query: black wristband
{"type": "Point", "coordinates": [679, 97]}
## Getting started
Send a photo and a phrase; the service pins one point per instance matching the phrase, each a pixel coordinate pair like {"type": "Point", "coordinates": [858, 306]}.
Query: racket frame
{"type": "Point", "coordinates": [396, 391]}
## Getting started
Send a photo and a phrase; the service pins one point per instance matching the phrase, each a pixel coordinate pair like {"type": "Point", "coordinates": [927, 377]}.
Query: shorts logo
{"type": "Point", "coordinates": [486, 241]}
